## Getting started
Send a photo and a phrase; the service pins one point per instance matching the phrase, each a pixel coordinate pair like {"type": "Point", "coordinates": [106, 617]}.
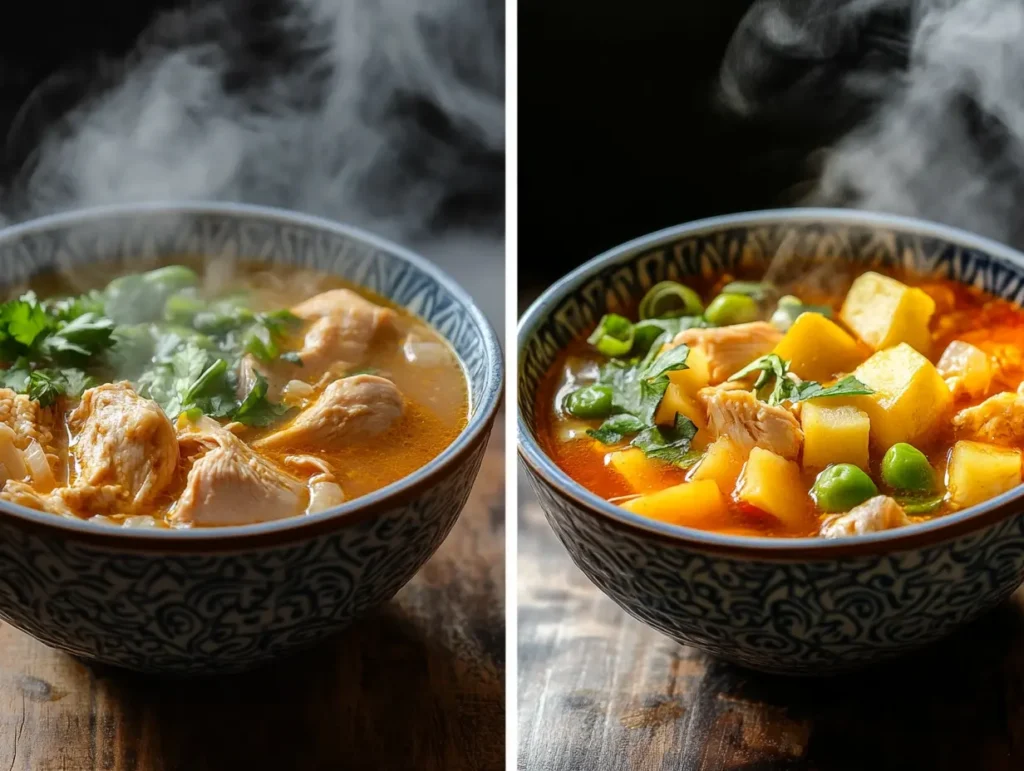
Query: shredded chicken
{"type": "Point", "coordinates": [324, 490]}
{"type": "Point", "coordinates": [731, 348]}
{"type": "Point", "coordinates": [874, 515]}
{"type": "Point", "coordinates": [228, 483]}
{"type": "Point", "coordinates": [79, 501]}
{"type": "Point", "coordinates": [750, 423]}
{"type": "Point", "coordinates": [342, 327]}
{"type": "Point", "coordinates": [362, 405]}
{"type": "Point", "coordinates": [119, 438]}
{"type": "Point", "coordinates": [997, 420]}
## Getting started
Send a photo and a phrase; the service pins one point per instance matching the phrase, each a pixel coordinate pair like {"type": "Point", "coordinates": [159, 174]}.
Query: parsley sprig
{"type": "Point", "coordinates": [773, 370]}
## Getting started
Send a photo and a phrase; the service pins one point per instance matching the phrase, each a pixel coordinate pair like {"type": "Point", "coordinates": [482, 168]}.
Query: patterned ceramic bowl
{"type": "Point", "coordinates": [784, 605]}
{"type": "Point", "coordinates": [227, 599]}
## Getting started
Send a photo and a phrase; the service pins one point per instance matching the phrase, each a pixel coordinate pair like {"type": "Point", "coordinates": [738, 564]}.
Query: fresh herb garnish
{"type": "Point", "coordinates": [638, 389]}
{"type": "Point", "coordinates": [920, 504]}
{"type": "Point", "coordinates": [256, 409]}
{"type": "Point", "coordinates": [787, 388]}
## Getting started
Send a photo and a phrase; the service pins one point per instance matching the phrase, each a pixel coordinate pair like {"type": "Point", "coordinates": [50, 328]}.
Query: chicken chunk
{"type": "Point", "coordinates": [729, 349]}
{"type": "Point", "coordinates": [342, 327]}
{"type": "Point", "coordinates": [119, 438]}
{"type": "Point", "coordinates": [750, 423]}
{"type": "Point", "coordinates": [872, 516]}
{"type": "Point", "coordinates": [26, 426]}
{"type": "Point", "coordinates": [997, 420]}
{"type": "Point", "coordinates": [84, 501]}
{"type": "Point", "coordinates": [362, 405]}
{"type": "Point", "coordinates": [228, 483]}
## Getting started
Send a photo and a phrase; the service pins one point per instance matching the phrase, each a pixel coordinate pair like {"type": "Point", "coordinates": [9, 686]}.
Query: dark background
{"type": "Point", "coordinates": [621, 131]}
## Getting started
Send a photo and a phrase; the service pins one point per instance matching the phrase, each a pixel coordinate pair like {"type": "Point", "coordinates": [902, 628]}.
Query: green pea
{"type": "Point", "coordinates": [841, 487]}
{"type": "Point", "coordinates": [729, 309]}
{"type": "Point", "coordinates": [593, 401]}
{"type": "Point", "coordinates": [904, 467]}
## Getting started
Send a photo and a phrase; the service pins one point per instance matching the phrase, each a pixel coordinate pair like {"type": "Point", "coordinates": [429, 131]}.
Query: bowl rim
{"type": "Point", "coordinates": [909, 537]}
{"type": "Point", "coordinates": [236, 537]}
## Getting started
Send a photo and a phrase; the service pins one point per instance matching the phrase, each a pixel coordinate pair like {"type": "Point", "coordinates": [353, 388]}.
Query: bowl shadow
{"type": "Point", "coordinates": [957, 704]}
{"type": "Point", "coordinates": [381, 695]}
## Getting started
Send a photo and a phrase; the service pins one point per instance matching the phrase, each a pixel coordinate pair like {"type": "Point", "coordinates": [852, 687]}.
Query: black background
{"type": "Point", "coordinates": [622, 133]}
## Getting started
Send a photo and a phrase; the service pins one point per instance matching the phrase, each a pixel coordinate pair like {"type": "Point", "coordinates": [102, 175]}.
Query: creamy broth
{"type": "Point", "coordinates": [345, 405]}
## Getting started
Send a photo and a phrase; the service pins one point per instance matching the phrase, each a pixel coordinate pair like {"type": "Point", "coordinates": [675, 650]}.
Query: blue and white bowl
{"type": "Point", "coordinates": [804, 605]}
{"type": "Point", "coordinates": [227, 599]}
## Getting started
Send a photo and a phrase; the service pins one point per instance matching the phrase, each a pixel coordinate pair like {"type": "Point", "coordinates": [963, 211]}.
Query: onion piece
{"type": "Point", "coordinates": [323, 495]}
{"type": "Point", "coordinates": [296, 393]}
{"type": "Point", "coordinates": [10, 455]}
{"type": "Point", "coordinates": [39, 467]}
{"type": "Point", "coordinates": [425, 353]}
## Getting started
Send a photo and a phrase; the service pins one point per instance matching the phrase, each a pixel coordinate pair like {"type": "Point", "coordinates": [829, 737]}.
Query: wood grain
{"type": "Point", "coordinates": [418, 685]}
{"type": "Point", "coordinates": [599, 690]}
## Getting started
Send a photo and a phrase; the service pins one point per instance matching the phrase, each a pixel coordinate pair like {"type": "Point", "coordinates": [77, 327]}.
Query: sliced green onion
{"type": "Point", "coordinates": [754, 289]}
{"type": "Point", "coordinates": [613, 336]}
{"type": "Point", "coordinates": [921, 505]}
{"type": "Point", "coordinates": [670, 299]}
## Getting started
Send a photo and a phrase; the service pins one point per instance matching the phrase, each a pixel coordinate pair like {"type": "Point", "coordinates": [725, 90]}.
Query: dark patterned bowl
{"type": "Point", "coordinates": [215, 600]}
{"type": "Point", "coordinates": [801, 605]}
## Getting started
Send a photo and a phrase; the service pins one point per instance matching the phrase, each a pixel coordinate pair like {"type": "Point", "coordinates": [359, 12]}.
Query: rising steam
{"type": "Point", "coordinates": [936, 86]}
{"type": "Point", "coordinates": [385, 114]}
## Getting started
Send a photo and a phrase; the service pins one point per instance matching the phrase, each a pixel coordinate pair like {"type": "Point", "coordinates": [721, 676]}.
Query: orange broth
{"type": "Point", "coordinates": [962, 313]}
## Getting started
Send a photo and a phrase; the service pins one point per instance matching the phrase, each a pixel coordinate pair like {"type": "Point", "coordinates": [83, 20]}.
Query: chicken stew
{"type": "Point", "coordinates": [200, 395]}
{"type": "Point", "coordinates": [801, 414]}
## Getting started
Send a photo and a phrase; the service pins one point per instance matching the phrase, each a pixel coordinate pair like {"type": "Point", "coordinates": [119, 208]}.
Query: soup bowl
{"type": "Point", "coordinates": [229, 598]}
{"type": "Point", "coordinates": [794, 605]}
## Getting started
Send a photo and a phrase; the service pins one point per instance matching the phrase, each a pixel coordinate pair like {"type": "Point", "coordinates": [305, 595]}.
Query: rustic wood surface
{"type": "Point", "coordinates": [600, 691]}
{"type": "Point", "coordinates": [418, 685]}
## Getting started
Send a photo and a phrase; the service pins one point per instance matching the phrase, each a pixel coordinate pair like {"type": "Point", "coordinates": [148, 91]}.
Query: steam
{"type": "Point", "coordinates": [387, 114]}
{"type": "Point", "coordinates": [937, 87]}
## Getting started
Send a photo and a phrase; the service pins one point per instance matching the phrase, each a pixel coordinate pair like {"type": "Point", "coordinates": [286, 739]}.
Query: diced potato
{"type": "Point", "coordinates": [676, 400]}
{"type": "Point", "coordinates": [883, 312]}
{"type": "Point", "coordinates": [966, 368]}
{"type": "Point", "coordinates": [910, 400]}
{"type": "Point", "coordinates": [977, 472]}
{"type": "Point", "coordinates": [818, 348]}
{"type": "Point", "coordinates": [834, 434]}
{"type": "Point", "coordinates": [696, 376]}
{"type": "Point", "coordinates": [773, 484]}
{"type": "Point", "coordinates": [643, 474]}
{"type": "Point", "coordinates": [690, 504]}
{"type": "Point", "coordinates": [722, 463]}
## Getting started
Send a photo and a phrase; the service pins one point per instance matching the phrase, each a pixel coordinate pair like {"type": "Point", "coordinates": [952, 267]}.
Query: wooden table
{"type": "Point", "coordinates": [418, 685]}
{"type": "Point", "coordinates": [599, 691]}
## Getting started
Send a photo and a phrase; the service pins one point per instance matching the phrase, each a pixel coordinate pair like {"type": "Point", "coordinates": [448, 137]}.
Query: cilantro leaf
{"type": "Point", "coordinates": [670, 444]}
{"type": "Point", "coordinates": [84, 336]}
{"type": "Point", "coordinates": [256, 409]}
{"type": "Point", "coordinates": [916, 504]}
{"type": "Point", "coordinates": [848, 386]}
{"type": "Point", "coordinates": [616, 428]}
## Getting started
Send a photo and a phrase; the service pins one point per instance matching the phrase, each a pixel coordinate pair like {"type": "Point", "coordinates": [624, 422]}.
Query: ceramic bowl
{"type": "Point", "coordinates": [802, 605]}
{"type": "Point", "coordinates": [214, 600]}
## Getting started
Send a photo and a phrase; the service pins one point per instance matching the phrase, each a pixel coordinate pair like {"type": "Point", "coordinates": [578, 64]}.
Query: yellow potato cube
{"type": "Point", "coordinates": [696, 376]}
{"type": "Point", "coordinates": [910, 400]}
{"type": "Point", "coordinates": [722, 463]}
{"type": "Point", "coordinates": [690, 504]}
{"type": "Point", "coordinates": [773, 484]}
{"type": "Point", "coordinates": [883, 312]}
{"type": "Point", "coordinates": [977, 472]}
{"type": "Point", "coordinates": [834, 434]}
{"type": "Point", "coordinates": [643, 474]}
{"type": "Point", "coordinates": [818, 348]}
{"type": "Point", "coordinates": [677, 400]}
